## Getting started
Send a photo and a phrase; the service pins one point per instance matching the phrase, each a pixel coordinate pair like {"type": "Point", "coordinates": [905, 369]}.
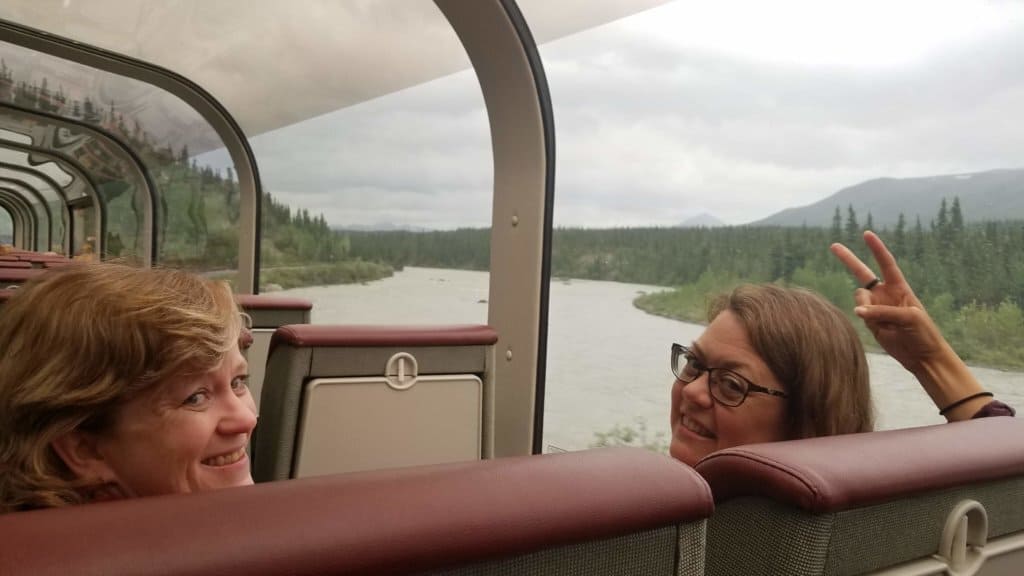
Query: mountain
{"type": "Point", "coordinates": [702, 220]}
{"type": "Point", "coordinates": [992, 195]}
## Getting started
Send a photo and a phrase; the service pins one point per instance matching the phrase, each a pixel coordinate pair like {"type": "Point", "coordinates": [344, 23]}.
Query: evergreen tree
{"type": "Point", "coordinates": [899, 243]}
{"type": "Point", "coordinates": [942, 221]}
{"type": "Point", "coordinates": [837, 226]}
{"type": "Point", "coordinates": [943, 230]}
{"type": "Point", "coordinates": [89, 112]}
{"type": "Point", "coordinates": [852, 228]}
{"type": "Point", "coordinates": [917, 240]}
{"type": "Point", "coordinates": [956, 216]}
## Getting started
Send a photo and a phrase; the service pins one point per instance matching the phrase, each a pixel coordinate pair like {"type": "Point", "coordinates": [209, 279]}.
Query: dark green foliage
{"type": "Point", "coordinates": [974, 272]}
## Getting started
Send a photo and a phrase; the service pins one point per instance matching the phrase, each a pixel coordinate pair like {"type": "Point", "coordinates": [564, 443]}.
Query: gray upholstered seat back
{"type": "Point", "coordinates": [349, 398]}
{"type": "Point", "coordinates": [866, 503]}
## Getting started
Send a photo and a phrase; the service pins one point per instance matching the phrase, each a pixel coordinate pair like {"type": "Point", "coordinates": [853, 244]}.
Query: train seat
{"type": "Point", "coordinates": [40, 259]}
{"type": "Point", "coordinates": [267, 313]}
{"type": "Point", "coordinates": [348, 398]}
{"type": "Point", "coordinates": [16, 276]}
{"type": "Point", "coordinates": [15, 264]}
{"type": "Point", "coordinates": [610, 511]}
{"type": "Point", "coordinates": [946, 499]}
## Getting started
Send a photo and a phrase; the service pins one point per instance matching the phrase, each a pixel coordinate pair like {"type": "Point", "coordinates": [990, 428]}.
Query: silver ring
{"type": "Point", "coordinates": [874, 282]}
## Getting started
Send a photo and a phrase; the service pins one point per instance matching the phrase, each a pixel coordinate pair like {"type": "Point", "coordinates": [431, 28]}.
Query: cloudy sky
{"type": "Point", "coordinates": [738, 108]}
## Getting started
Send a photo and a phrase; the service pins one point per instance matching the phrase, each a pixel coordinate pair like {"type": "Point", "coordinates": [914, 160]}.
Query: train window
{"type": "Point", "coordinates": [131, 142]}
{"type": "Point", "coordinates": [377, 158]}
{"type": "Point", "coordinates": [380, 128]}
{"type": "Point", "coordinates": [6, 227]}
{"type": "Point", "coordinates": [698, 149]}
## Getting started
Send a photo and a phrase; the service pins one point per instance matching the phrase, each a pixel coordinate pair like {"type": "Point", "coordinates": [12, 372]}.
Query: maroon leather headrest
{"type": "Point", "coordinates": [388, 522]}
{"type": "Point", "coordinates": [15, 264]}
{"type": "Point", "coordinates": [322, 335]}
{"type": "Point", "coordinates": [33, 257]}
{"type": "Point", "coordinates": [261, 302]}
{"type": "Point", "coordinates": [836, 473]}
{"type": "Point", "coordinates": [19, 274]}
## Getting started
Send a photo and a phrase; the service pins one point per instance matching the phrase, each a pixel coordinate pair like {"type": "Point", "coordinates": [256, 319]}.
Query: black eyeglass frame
{"type": "Point", "coordinates": [678, 351]}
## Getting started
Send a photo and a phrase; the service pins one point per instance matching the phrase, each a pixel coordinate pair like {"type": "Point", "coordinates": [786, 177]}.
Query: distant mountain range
{"type": "Point", "coordinates": [702, 220]}
{"type": "Point", "coordinates": [992, 195]}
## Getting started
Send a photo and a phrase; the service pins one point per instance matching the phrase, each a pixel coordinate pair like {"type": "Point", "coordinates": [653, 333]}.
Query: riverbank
{"type": "Point", "coordinates": [329, 274]}
{"type": "Point", "coordinates": [984, 337]}
{"type": "Point", "coordinates": [275, 278]}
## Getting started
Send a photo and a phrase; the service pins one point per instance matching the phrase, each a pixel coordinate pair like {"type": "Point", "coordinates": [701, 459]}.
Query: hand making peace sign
{"type": "Point", "coordinates": [889, 307]}
{"type": "Point", "coordinates": [900, 324]}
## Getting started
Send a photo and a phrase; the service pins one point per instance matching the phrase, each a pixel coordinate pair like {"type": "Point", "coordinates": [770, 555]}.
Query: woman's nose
{"type": "Point", "coordinates": [239, 416]}
{"type": "Point", "coordinates": [697, 392]}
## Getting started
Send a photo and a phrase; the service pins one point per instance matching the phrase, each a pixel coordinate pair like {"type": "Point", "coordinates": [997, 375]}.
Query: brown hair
{"type": "Point", "coordinates": [82, 339]}
{"type": "Point", "coordinates": [813, 349]}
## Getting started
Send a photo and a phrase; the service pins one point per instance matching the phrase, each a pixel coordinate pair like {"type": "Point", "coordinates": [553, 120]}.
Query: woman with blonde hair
{"type": "Point", "coordinates": [120, 382]}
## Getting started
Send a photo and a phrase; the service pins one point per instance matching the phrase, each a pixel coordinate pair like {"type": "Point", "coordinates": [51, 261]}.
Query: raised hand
{"type": "Point", "coordinates": [890, 309]}
{"type": "Point", "coordinates": [900, 324]}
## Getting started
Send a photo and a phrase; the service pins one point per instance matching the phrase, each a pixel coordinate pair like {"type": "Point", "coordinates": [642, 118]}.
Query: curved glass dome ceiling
{"type": "Point", "coordinates": [132, 139]}
{"type": "Point", "coordinates": [96, 165]}
{"type": "Point", "coordinates": [77, 196]}
{"type": "Point", "coordinates": [271, 66]}
{"type": "Point", "coordinates": [255, 57]}
{"type": "Point", "coordinates": [41, 194]}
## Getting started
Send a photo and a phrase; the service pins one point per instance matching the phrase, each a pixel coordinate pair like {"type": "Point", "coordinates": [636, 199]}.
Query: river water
{"type": "Point", "coordinates": [608, 362]}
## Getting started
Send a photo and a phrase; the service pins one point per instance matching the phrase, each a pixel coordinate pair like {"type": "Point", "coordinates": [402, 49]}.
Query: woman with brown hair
{"type": "Point", "coordinates": [119, 382]}
{"type": "Point", "coordinates": [774, 363]}
{"type": "Point", "coordinates": [780, 363]}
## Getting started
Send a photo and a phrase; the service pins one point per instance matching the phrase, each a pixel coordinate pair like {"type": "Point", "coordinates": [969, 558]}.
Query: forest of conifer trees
{"type": "Point", "coordinates": [969, 275]}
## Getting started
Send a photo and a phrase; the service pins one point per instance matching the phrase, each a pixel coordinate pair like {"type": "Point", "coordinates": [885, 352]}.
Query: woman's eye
{"type": "Point", "coordinates": [239, 383]}
{"type": "Point", "coordinates": [732, 386]}
{"type": "Point", "coordinates": [196, 398]}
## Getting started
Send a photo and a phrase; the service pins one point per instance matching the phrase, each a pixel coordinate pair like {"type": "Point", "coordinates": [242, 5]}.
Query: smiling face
{"type": "Point", "coordinates": [699, 424]}
{"type": "Point", "coordinates": [186, 435]}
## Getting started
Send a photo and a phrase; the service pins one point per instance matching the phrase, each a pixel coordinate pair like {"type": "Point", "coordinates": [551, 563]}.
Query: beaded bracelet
{"type": "Point", "coordinates": [963, 401]}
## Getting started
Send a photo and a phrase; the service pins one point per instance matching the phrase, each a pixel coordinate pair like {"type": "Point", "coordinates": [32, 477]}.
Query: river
{"type": "Point", "coordinates": [608, 362]}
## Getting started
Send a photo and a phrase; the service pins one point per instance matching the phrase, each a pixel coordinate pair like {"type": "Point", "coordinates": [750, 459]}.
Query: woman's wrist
{"type": "Point", "coordinates": [948, 380]}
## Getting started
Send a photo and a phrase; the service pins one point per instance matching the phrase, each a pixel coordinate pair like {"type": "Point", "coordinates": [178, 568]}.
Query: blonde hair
{"type": "Point", "coordinates": [82, 339]}
{"type": "Point", "coordinates": [813, 349]}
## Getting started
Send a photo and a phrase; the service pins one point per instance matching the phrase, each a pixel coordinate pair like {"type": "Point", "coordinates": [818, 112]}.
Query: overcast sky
{"type": "Point", "coordinates": [736, 108]}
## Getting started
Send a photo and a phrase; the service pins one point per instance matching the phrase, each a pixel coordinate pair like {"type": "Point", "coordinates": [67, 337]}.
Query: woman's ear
{"type": "Point", "coordinates": [80, 452]}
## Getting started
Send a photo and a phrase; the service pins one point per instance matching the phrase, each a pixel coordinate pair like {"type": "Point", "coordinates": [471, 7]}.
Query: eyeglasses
{"type": "Point", "coordinates": [725, 386]}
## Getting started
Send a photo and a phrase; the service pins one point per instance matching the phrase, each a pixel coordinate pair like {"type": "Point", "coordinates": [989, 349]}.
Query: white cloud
{"type": "Point", "coordinates": [735, 108]}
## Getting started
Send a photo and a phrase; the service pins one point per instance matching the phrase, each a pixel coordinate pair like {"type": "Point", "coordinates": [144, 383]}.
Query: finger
{"type": "Point", "coordinates": [891, 272]}
{"type": "Point", "coordinates": [862, 297]}
{"type": "Point", "coordinates": [859, 269]}
{"type": "Point", "coordinates": [903, 316]}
